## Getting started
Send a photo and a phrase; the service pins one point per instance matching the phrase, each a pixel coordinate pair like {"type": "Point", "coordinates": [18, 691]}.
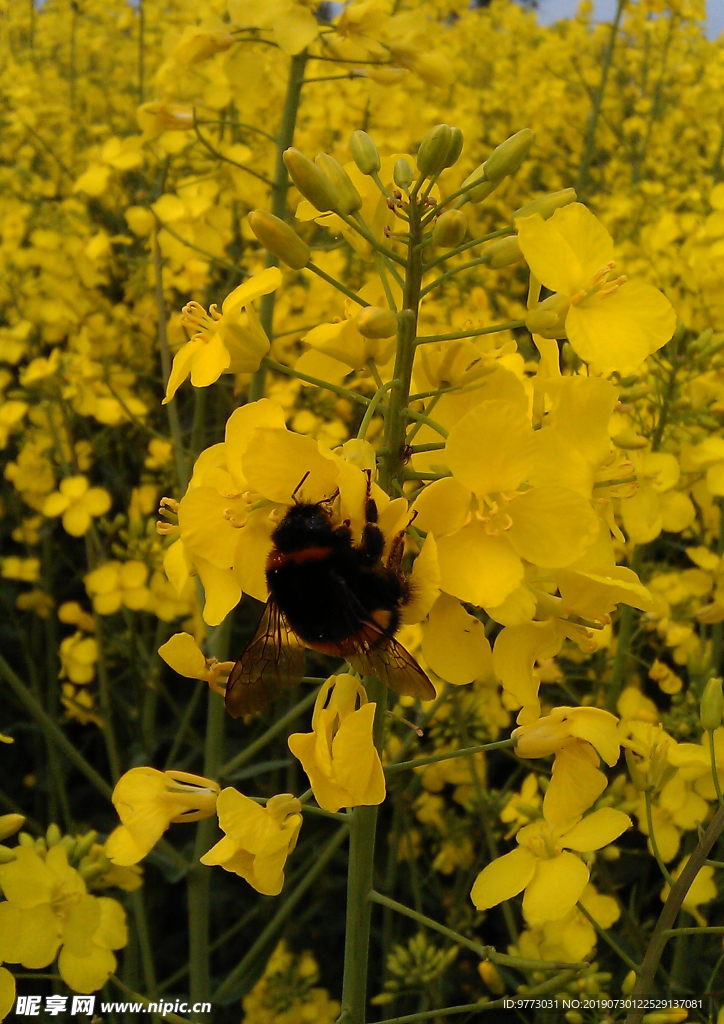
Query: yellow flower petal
{"type": "Point", "coordinates": [442, 507]}
{"type": "Point", "coordinates": [276, 461]}
{"type": "Point", "coordinates": [552, 526]}
{"type": "Point", "coordinates": [503, 878]}
{"type": "Point", "coordinates": [112, 932]}
{"type": "Point", "coordinates": [221, 591]}
{"type": "Point", "coordinates": [260, 284]}
{"type": "Point", "coordinates": [478, 568]}
{"type": "Point", "coordinates": [30, 937]}
{"type": "Point", "coordinates": [240, 427]}
{"type": "Point", "coordinates": [596, 830]}
{"type": "Point", "coordinates": [555, 889]}
{"type": "Point", "coordinates": [253, 545]}
{"type": "Point", "coordinates": [76, 520]}
{"type": "Point", "coordinates": [424, 583]}
{"type": "Point", "coordinates": [86, 973]}
{"type": "Point", "coordinates": [209, 362]}
{"type": "Point", "coordinates": [454, 644]}
{"type": "Point", "coordinates": [575, 786]}
{"type": "Point", "coordinates": [490, 448]}
{"type": "Point", "coordinates": [181, 367]}
{"type": "Point", "coordinates": [7, 992]}
{"type": "Point", "coordinates": [184, 656]}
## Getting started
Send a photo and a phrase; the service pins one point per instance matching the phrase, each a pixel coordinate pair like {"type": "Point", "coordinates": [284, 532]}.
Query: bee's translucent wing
{"type": "Point", "coordinates": [272, 660]}
{"type": "Point", "coordinates": [393, 666]}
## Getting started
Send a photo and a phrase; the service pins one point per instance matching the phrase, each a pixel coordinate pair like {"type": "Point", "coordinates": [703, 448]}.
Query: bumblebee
{"type": "Point", "coordinates": [330, 595]}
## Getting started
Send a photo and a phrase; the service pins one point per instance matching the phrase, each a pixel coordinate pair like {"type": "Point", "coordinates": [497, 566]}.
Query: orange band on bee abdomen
{"type": "Point", "coordinates": [277, 559]}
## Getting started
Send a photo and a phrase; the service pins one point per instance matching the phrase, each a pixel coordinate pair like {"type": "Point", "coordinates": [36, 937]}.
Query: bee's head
{"type": "Point", "coordinates": [304, 524]}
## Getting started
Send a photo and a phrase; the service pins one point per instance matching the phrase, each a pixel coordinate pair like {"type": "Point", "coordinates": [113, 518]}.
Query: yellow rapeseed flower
{"type": "Point", "coordinates": [258, 839]}
{"type": "Point", "coordinates": [339, 755]}
{"type": "Point", "coordinates": [77, 503]}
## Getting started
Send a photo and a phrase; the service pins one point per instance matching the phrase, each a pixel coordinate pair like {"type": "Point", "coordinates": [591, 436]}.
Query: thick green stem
{"type": "Point", "coordinates": [199, 877]}
{"type": "Point", "coordinates": [362, 832]}
{"type": "Point", "coordinates": [669, 914]}
{"type": "Point", "coordinates": [396, 418]}
{"type": "Point", "coordinates": [280, 187]}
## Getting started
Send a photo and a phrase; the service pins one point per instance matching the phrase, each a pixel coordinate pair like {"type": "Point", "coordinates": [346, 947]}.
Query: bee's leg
{"type": "Point", "coordinates": [373, 541]}
{"type": "Point", "coordinates": [397, 550]}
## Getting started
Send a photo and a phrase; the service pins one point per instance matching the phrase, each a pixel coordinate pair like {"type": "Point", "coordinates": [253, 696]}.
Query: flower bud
{"type": "Point", "coordinates": [84, 843]}
{"type": "Point", "coordinates": [672, 1016]}
{"type": "Point", "coordinates": [509, 155]}
{"type": "Point", "coordinates": [364, 152]}
{"type": "Point", "coordinates": [279, 238]}
{"type": "Point", "coordinates": [402, 174]}
{"type": "Point", "coordinates": [9, 824]}
{"type": "Point", "coordinates": [53, 835]}
{"type": "Point", "coordinates": [628, 983]}
{"type": "Point", "coordinates": [450, 229]}
{"type": "Point", "coordinates": [502, 253]}
{"type": "Point", "coordinates": [455, 148]}
{"type": "Point", "coordinates": [629, 440]}
{"type": "Point", "coordinates": [348, 197]}
{"type": "Point", "coordinates": [433, 150]}
{"type": "Point", "coordinates": [548, 318]}
{"type": "Point", "coordinates": [481, 191]}
{"type": "Point", "coordinates": [712, 705]}
{"type": "Point", "coordinates": [7, 855]}
{"type": "Point", "coordinates": [25, 839]}
{"type": "Point", "coordinates": [491, 976]}
{"type": "Point", "coordinates": [314, 186]}
{"type": "Point", "coordinates": [546, 206]}
{"type": "Point", "coordinates": [376, 322]}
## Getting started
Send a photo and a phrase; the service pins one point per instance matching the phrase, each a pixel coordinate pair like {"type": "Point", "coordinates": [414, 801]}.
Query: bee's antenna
{"type": "Point", "coordinates": [299, 485]}
{"type": "Point", "coordinates": [332, 496]}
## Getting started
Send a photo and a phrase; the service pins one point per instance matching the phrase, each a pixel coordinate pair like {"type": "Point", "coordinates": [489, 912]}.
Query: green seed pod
{"type": "Point", "coordinates": [53, 835]}
{"type": "Point", "coordinates": [711, 706]}
{"type": "Point", "coordinates": [455, 148]}
{"type": "Point", "coordinates": [502, 253]}
{"type": "Point", "coordinates": [433, 150]}
{"type": "Point", "coordinates": [348, 196]}
{"type": "Point", "coordinates": [279, 238]}
{"type": "Point", "coordinates": [450, 229]}
{"type": "Point", "coordinates": [402, 174]}
{"type": "Point", "coordinates": [509, 155]}
{"type": "Point", "coordinates": [7, 856]}
{"type": "Point", "coordinates": [314, 186]}
{"type": "Point", "coordinates": [364, 152]}
{"type": "Point", "coordinates": [546, 206]}
{"type": "Point", "coordinates": [481, 191]}
{"type": "Point", "coordinates": [376, 322]}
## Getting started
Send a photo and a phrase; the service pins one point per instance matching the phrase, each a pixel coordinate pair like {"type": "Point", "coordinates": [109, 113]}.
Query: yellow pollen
{"type": "Point", "coordinates": [169, 503]}
{"type": "Point", "coordinates": [165, 529]}
{"type": "Point", "coordinates": [228, 514]}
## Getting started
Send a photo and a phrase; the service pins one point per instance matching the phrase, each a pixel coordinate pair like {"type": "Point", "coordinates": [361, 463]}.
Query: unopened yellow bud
{"type": "Point", "coordinates": [314, 186]}
{"type": "Point", "coordinates": [433, 150]}
{"type": "Point", "coordinates": [712, 704]}
{"type": "Point", "coordinates": [638, 777]}
{"type": "Point", "coordinates": [7, 855]}
{"type": "Point", "coordinates": [573, 1017]}
{"type": "Point", "coordinates": [279, 238]}
{"type": "Point", "coordinates": [546, 206]}
{"type": "Point", "coordinates": [40, 845]}
{"type": "Point", "coordinates": [628, 983]}
{"type": "Point", "coordinates": [491, 976]}
{"type": "Point", "coordinates": [703, 340]}
{"type": "Point", "coordinates": [629, 440]}
{"type": "Point", "coordinates": [364, 152]}
{"type": "Point", "coordinates": [672, 1016]}
{"type": "Point", "coordinates": [548, 318]}
{"type": "Point", "coordinates": [450, 229]}
{"type": "Point", "coordinates": [509, 155]}
{"type": "Point", "coordinates": [502, 253]}
{"type": "Point", "coordinates": [9, 824]}
{"type": "Point", "coordinates": [376, 322]}
{"type": "Point", "coordinates": [455, 148]}
{"type": "Point", "coordinates": [402, 174]}
{"type": "Point", "coordinates": [84, 843]}
{"type": "Point", "coordinates": [53, 835]}
{"type": "Point", "coordinates": [347, 195]}
{"type": "Point", "coordinates": [25, 839]}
